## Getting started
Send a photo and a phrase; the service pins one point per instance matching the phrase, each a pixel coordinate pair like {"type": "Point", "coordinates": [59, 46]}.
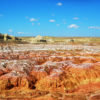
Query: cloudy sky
{"type": "Point", "coordinates": [50, 17]}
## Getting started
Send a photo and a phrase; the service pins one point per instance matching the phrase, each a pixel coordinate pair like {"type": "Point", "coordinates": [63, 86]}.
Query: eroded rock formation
{"type": "Point", "coordinates": [38, 75]}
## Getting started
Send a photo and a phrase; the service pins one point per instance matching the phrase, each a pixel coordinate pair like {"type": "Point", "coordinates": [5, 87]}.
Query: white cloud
{"type": "Point", "coordinates": [53, 15]}
{"type": "Point", "coordinates": [73, 26]}
{"type": "Point", "coordinates": [27, 17]}
{"type": "Point", "coordinates": [32, 24]}
{"type": "Point", "coordinates": [32, 19]}
{"type": "Point", "coordinates": [64, 21]}
{"type": "Point", "coordinates": [20, 32]}
{"type": "Point", "coordinates": [75, 18]}
{"type": "Point", "coordinates": [59, 4]}
{"type": "Point", "coordinates": [51, 20]}
{"type": "Point", "coordinates": [58, 25]}
{"type": "Point", "coordinates": [39, 24]}
{"type": "Point", "coordinates": [94, 27]}
{"type": "Point", "coordinates": [10, 30]}
{"type": "Point", "coordinates": [1, 15]}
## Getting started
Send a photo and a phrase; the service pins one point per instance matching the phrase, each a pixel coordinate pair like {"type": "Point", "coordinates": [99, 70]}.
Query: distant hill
{"type": "Point", "coordinates": [63, 40]}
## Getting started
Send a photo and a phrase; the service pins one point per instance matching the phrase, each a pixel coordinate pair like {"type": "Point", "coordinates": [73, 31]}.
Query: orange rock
{"type": "Point", "coordinates": [38, 74]}
{"type": "Point", "coordinates": [53, 71]}
{"type": "Point", "coordinates": [1, 72]}
{"type": "Point", "coordinates": [95, 97]}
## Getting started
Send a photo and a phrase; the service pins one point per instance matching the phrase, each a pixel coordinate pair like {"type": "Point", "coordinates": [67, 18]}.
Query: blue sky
{"type": "Point", "coordinates": [50, 17]}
